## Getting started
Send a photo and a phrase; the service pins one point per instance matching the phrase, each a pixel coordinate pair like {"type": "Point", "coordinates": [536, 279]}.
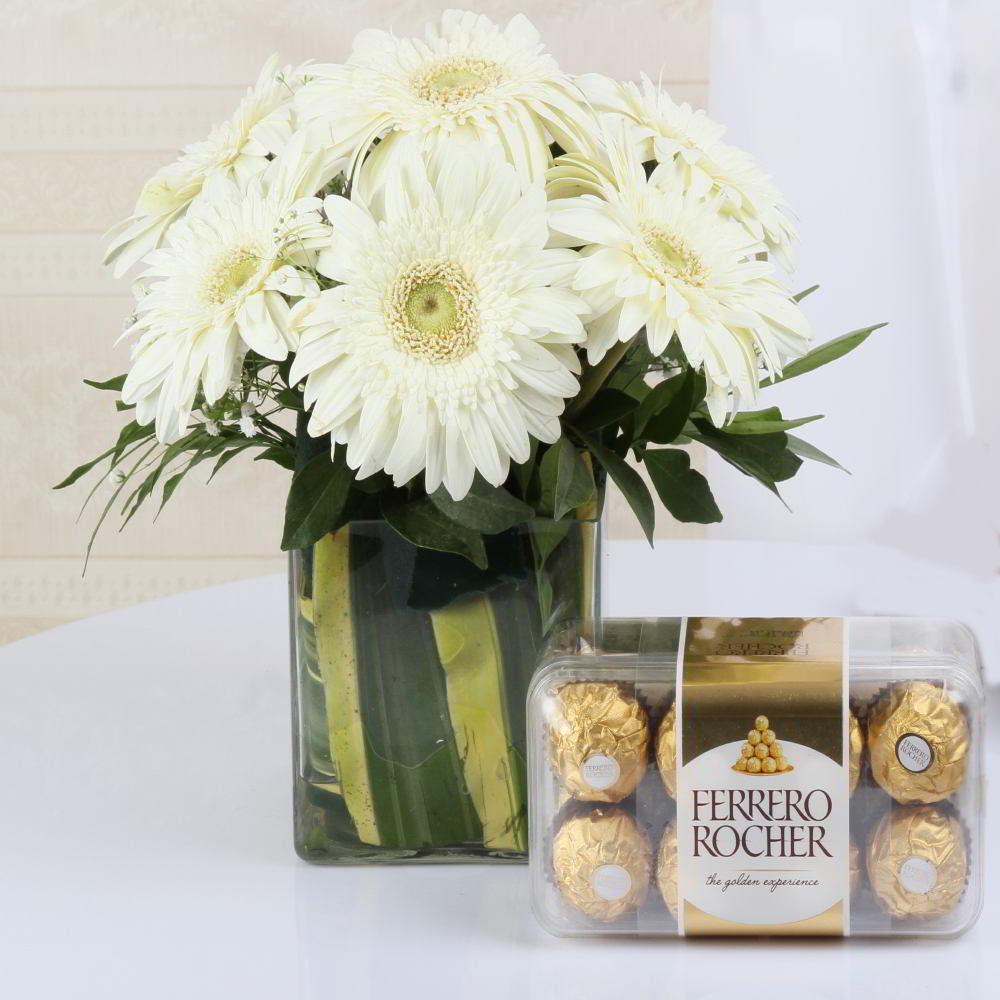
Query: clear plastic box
{"type": "Point", "coordinates": [862, 814]}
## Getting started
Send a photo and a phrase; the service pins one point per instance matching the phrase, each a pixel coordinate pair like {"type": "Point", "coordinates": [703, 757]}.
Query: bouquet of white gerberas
{"type": "Point", "coordinates": [454, 258]}
{"type": "Point", "coordinates": [451, 287]}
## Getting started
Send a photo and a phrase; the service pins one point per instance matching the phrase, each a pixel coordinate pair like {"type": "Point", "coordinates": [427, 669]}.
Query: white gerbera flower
{"type": "Point", "coordinates": [449, 340]}
{"type": "Point", "coordinates": [658, 256]}
{"type": "Point", "coordinates": [238, 149]}
{"type": "Point", "coordinates": [468, 79]}
{"type": "Point", "coordinates": [219, 287]}
{"type": "Point", "coordinates": [690, 139]}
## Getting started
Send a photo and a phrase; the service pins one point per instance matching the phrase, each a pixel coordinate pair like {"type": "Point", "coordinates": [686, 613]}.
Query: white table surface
{"type": "Point", "coordinates": [145, 852]}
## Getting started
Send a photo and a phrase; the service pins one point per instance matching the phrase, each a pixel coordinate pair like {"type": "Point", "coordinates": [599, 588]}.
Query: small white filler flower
{"type": "Point", "coordinates": [450, 338]}
{"type": "Point", "coordinates": [656, 255]}
{"type": "Point", "coordinates": [218, 287]}
{"type": "Point", "coordinates": [237, 149]}
{"type": "Point", "coordinates": [468, 79]}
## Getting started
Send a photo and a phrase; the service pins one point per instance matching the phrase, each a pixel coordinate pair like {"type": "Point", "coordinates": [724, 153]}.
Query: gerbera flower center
{"type": "Point", "coordinates": [452, 81]}
{"type": "Point", "coordinates": [232, 273]}
{"type": "Point", "coordinates": [674, 256]}
{"type": "Point", "coordinates": [432, 312]}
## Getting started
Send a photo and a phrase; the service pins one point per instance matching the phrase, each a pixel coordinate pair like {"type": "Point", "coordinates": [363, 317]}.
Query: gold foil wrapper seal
{"type": "Point", "coordinates": [666, 751]}
{"type": "Point", "coordinates": [666, 868]}
{"type": "Point", "coordinates": [853, 867]}
{"type": "Point", "coordinates": [854, 743]}
{"type": "Point", "coordinates": [601, 863]}
{"type": "Point", "coordinates": [598, 740]}
{"type": "Point", "coordinates": [918, 741]}
{"type": "Point", "coordinates": [917, 863]}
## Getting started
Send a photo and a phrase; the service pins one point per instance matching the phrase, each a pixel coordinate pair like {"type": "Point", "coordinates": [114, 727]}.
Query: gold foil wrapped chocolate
{"type": "Point", "coordinates": [918, 742]}
{"type": "Point", "coordinates": [917, 862]}
{"type": "Point", "coordinates": [666, 868]}
{"type": "Point", "coordinates": [601, 863]}
{"type": "Point", "coordinates": [853, 867]}
{"type": "Point", "coordinates": [598, 740]}
{"type": "Point", "coordinates": [666, 751]}
{"type": "Point", "coordinates": [853, 751]}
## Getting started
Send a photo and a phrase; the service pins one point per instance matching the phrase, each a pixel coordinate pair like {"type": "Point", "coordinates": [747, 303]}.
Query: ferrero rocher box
{"type": "Point", "coordinates": [783, 776]}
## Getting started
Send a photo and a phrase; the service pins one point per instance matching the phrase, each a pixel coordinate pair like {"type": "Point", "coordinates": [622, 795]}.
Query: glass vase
{"type": "Point", "coordinates": [410, 669]}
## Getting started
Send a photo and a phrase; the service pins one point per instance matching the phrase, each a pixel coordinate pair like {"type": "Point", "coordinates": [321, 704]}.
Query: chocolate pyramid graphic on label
{"type": "Point", "coordinates": [762, 753]}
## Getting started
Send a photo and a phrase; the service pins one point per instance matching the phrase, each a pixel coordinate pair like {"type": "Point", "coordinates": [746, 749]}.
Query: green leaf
{"type": "Point", "coordinates": [280, 456]}
{"type": "Point", "coordinates": [684, 491]}
{"type": "Point", "coordinates": [487, 509]}
{"type": "Point", "coordinates": [524, 472]}
{"type": "Point", "coordinates": [82, 470]}
{"type": "Point", "coordinates": [373, 484]}
{"type": "Point", "coordinates": [567, 480]}
{"type": "Point", "coordinates": [226, 457]}
{"type": "Point", "coordinates": [316, 499]}
{"type": "Point", "coordinates": [609, 406]}
{"type": "Point", "coordinates": [799, 296]}
{"type": "Point", "coordinates": [423, 523]}
{"type": "Point", "coordinates": [112, 500]}
{"type": "Point", "coordinates": [824, 354]}
{"type": "Point", "coordinates": [112, 384]}
{"type": "Point", "coordinates": [764, 457]}
{"type": "Point", "coordinates": [201, 447]}
{"type": "Point", "coordinates": [547, 536]}
{"type": "Point", "coordinates": [806, 450]}
{"type": "Point", "coordinates": [768, 421]}
{"type": "Point", "coordinates": [130, 433]}
{"type": "Point", "coordinates": [664, 412]}
{"type": "Point", "coordinates": [168, 489]}
{"type": "Point", "coordinates": [290, 399]}
{"type": "Point", "coordinates": [630, 483]}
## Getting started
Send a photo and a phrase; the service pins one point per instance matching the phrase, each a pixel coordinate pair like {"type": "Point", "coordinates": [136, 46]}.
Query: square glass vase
{"type": "Point", "coordinates": [410, 669]}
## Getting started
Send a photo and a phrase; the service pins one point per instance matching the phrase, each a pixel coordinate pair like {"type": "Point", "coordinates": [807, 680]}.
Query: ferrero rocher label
{"type": "Point", "coordinates": [601, 863]}
{"type": "Point", "coordinates": [918, 741]}
{"type": "Point", "coordinates": [765, 765]}
{"type": "Point", "coordinates": [917, 862]}
{"type": "Point", "coordinates": [598, 738]}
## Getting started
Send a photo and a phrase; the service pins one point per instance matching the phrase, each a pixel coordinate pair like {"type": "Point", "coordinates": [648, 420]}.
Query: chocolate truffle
{"type": "Point", "coordinates": [666, 868]}
{"type": "Point", "coordinates": [601, 863]}
{"type": "Point", "coordinates": [598, 740]}
{"type": "Point", "coordinates": [918, 741]}
{"type": "Point", "coordinates": [666, 751]}
{"type": "Point", "coordinates": [853, 866]}
{"type": "Point", "coordinates": [917, 863]}
{"type": "Point", "coordinates": [853, 750]}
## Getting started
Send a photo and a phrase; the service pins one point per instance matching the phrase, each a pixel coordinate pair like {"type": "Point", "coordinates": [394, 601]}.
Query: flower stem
{"type": "Point", "coordinates": [592, 382]}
